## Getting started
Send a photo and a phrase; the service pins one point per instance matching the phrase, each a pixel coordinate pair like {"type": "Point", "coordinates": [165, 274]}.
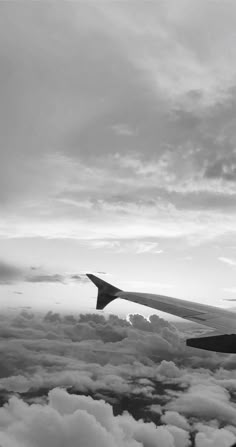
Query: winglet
{"type": "Point", "coordinates": [106, 292]}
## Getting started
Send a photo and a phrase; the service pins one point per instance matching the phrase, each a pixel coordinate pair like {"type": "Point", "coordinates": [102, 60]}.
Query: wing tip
{"type": "Point", "coordinates": [106, 292]}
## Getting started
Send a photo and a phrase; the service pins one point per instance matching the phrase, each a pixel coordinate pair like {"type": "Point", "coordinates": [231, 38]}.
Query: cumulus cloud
{"type": "Point", "coordinates": [68, 419]}
{"type": "Point", "coordinates": [176, 419]}
{"type": "Point", "coordinates": [157, 389]}
{"type": "Point", "coordinates": [215, 438]}
{"type": "Point", "coordinates": [208, 402]}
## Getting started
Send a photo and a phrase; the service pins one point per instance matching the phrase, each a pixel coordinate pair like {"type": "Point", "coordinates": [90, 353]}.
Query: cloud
{"type": "Point", "coordinates": [229, 290]}
{"type": "Point", "coordinates": [224, 168]}
{"type": "Point", "coordinates": [127, 245]}
{"type": "Point", "coordinates": [159, 42]}
{"type": "Point", "coordinates": [45, 278]}
{"type": "Point", "coordinates": [208, 402]}
{"type": "Point", "coordinates": [68, 418]}
{"type": "Point", "coordinates": [176, 419]}
{"type": "Point", "coordinates": [88, 176]}
{"type": "Point", "coordinates": [215, 438]}
{"type": "Point", "coordinates": [146, 154]}
{"type": "Point", "coordinates": [228, 261]}
{"type": "Point", "coordinates": [135, 366]}
{"type": "Point", "coordinates": [9, 273]}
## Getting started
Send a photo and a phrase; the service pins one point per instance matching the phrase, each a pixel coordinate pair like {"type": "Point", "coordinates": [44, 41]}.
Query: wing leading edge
{"type": "Point", "coordinates": [221, 320]}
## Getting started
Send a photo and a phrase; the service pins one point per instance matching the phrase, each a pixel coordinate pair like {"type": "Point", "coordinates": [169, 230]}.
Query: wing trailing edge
{"type": "Point", "coordinates": [217, 343]}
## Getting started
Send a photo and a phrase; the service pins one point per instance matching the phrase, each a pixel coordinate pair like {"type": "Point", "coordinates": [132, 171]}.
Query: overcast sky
{"type": "Point", "coordinates": [117, 150]}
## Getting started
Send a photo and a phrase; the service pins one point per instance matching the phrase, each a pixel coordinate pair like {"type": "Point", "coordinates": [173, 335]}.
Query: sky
{"type": "Point", "coordinates": [118, 152]}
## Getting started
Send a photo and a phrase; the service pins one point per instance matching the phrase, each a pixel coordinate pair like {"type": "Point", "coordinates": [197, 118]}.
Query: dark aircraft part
{"type": "Point", "coordinates": [106, 292]}
{"type": "Point", "coordinates": [217, 343]}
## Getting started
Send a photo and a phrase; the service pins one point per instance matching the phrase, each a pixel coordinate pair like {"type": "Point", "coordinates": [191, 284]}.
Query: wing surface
{"type": "Point", "coordinates": [222, 320]}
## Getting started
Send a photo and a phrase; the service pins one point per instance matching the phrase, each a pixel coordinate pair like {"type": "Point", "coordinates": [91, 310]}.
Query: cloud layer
{"type": "Point", "coordinates": [157, 390]}
{"type": "Point", "coordinates": [73, 420]}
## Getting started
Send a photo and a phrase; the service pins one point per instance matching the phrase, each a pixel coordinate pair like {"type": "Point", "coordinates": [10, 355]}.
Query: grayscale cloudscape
{"type": "Point", "coordinates": [118, 142]}
{"type": "Point", "coordinates": [111, 381]}
{"type": "Point", "coordinates": [117, 157]}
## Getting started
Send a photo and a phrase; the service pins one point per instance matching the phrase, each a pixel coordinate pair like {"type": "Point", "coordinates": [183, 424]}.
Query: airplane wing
{"type": "Point", "coordinates": [222, 320]}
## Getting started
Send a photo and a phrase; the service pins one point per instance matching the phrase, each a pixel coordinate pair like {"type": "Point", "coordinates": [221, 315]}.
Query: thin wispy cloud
{"type": "Point", "coordinates": [228, 261]}
{"type": "Point", "coordinates": [11, 274]}
{"type": "Point", "coordinates": [230, 289]}
{"type": "Point", "coordinates": [159, 43]}
{"type": "Point", "coordinates": [127, 245]}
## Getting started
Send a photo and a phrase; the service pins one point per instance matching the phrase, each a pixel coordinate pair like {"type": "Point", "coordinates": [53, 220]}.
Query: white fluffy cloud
{"type": "Point", "coordinates": [72, 420]}
{"type": "Point", "coordinates": [146, 373]}
{"type": "Point", "coordinates": [215, 438]}
{"type": "Point", "coordinates": [79, 420]}
{"type": "Point", "coordinates": [176, 419]}
{"type": "Point", "coordinates": [206, 401]}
